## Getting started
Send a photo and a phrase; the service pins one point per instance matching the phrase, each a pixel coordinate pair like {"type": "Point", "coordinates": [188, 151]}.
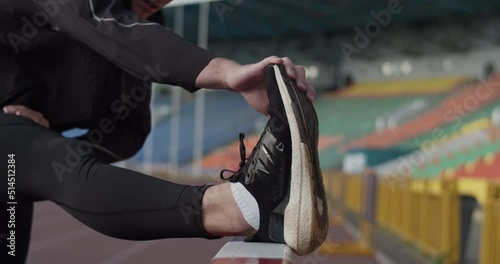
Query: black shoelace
{"type": "Point", "coordinates": [243, 159]}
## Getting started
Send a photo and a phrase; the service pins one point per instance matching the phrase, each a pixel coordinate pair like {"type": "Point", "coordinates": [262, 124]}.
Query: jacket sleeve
{"type": "Point", "coordinates": [146, 50]}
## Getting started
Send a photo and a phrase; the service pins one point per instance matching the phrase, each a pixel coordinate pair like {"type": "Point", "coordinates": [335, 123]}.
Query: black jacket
{"type": "Point", "coordinates": [90, 64]}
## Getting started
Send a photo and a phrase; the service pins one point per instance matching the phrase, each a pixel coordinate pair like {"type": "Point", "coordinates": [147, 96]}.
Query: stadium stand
{"type": "Point", "coordinates": [466, 141]}
{"type": "Point", "coordinates": [484, 165]}
{"type": "Point", "coordinates": [473, 120]}
{"type": "Point", "coordinates": [353, 123]}
{"type": "Point", "coordinates": [404, 87]}
{"type": "Point", "coordinates": [430, 154]}
{"type": "Point", "coordinates": [230, 107]}
{"type": "Point", "coordinates": [431, 119]}
{"type": "Point", "coordinates": [363, 111]}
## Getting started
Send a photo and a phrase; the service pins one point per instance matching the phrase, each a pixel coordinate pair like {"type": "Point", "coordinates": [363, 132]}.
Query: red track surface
{"type": "Point", "coordinates": [58, 238]}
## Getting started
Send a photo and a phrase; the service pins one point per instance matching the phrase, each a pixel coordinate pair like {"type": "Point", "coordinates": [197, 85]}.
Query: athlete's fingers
{"type": "Point", "coordinates": [44, 122]}
{"type": "Point", "coordinates": [14, 108]}
{"type": "Point", "coordinates": [271, 60]}
{"type": "Point", "coordinates": [301, 78]}
{"type": "Point", "coordinates": [26, 112]}
{"type": "Point", "coordinates": [311, 92]}
{"type": "Point", "coordinates": [35, 116]}
{"type": "Point", "coordinates": [23, 111]}
{"type": "Point", "coordinates": [290, 68]}
{"type": "Point", "coordinates": [10, 109]}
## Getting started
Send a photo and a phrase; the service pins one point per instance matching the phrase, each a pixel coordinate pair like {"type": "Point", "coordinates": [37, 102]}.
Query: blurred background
{"type": "Point", "coordinates": [409, 111]}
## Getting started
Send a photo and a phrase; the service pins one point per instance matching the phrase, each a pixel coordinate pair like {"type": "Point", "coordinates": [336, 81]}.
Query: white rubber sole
{"type": "Point", "coordinates": [301, 230]}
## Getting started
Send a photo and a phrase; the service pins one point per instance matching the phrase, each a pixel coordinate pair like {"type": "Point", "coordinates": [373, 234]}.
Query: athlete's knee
{"type": "Point", "coordinates": [72, 159]}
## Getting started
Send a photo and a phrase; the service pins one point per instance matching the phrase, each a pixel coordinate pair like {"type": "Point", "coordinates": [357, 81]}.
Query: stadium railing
{"type": "Point", "coordinates": [424, 213]}
{"type": "Point", "coordinates": [356, 194]}
{"type": "Point", "coordinates": [490, 239]}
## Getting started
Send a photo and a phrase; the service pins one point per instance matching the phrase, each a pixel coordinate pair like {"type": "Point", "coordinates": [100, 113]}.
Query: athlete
{"type": "Point", "coordinates": [90, 64]}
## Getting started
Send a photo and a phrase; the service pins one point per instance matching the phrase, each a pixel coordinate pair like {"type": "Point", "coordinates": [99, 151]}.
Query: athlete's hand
{"type": "Point", "coordinates": [249, 80]}
{"type": "Point", "coordinates": [24, 111]}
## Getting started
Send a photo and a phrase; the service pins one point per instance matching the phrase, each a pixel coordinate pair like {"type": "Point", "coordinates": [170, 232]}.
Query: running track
{"type": "Point", "coordinates": [59, 238]}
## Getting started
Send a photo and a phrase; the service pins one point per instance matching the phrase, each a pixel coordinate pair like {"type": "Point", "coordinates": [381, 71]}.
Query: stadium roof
{"type": "Point", "coordinates": [250, 19]}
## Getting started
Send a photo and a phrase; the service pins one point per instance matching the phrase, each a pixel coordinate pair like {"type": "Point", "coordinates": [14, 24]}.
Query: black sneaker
{"type": "Point", "coordinates": [283, 172]}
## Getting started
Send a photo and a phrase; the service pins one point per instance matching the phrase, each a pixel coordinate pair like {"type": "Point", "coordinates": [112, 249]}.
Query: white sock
{"type": "Point", "coordinates": [247, 204]}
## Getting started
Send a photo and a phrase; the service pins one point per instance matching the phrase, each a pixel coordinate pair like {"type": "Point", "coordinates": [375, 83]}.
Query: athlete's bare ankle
{"type": "Point", "coordinates": [221, 214]}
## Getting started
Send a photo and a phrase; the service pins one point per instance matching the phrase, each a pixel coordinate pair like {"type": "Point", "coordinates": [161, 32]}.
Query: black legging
{"type": "Point", "coordinates": [111, 200]}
